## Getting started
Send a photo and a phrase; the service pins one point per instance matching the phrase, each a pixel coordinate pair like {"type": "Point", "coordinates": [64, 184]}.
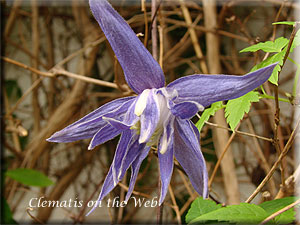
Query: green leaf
{"type": "Point", "coordinates": [278, 57]}
{"type": "Point", "coordinates": [275, 205]}
{"type": "Point", "coordinates": [236, 108]}
{"type": "Point", "coordinates": [287, 217]}
{"type": "Point", "coordinates": [207, 113]}
{"type": "Point", "coordinates": [29, 177]}
{"type": "Point", "coordinates": [285, 23]}
{"type": "Point", "coordinates": [7, 216]}
{"type": "Point", "coordinates": [200, 207]}
{"type": "Point", "coordinates": [243, 213]}
{"type": "Point", "coordinates": [268, 46]}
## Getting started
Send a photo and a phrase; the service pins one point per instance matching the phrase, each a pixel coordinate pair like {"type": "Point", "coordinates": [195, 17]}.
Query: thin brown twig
{"type": "Point", "coordinates": [144, 10]}
{"type": "Point", "coordinates": [204, 29]}
{"type": "Point", "coordinates": [84, 78]}
{"type": "Point", "coordinates": [28, 91]}
{"type": "Point", "coordinates": [122, 197]}
{"type": "Point", "coordinates": [33, 217]}
{"type": "Point", "coordinates": [80, 51]}
{"type": "Point", "coordinates": [175, 206]}
{"type": "Point", "coordinates": [56, 72]}
{"type": "Point", "coordinates": [12, 18]}
{"type": "Point", "coordinates": [161, 45]}
{"type": "Point", "coordinates": [31, 69]}
{"type": "Point", "coordinates": [221, 157]}
{"type": "Point", "coordinates": [238, 132]}
{"type": "Point", "coordinates": [27, 52]}
{"type": "Point", "coordinates": [277, 111]}
{"type": "Point", "coordinates": [282, 154]}
{"type": "Point", "coordinates": [154, 29]}
{"type": "Point", "coordinates": [265, 164]}
{"type": "Point", "coordinates": [134, 192]}
{"type": "Point", "coordinates": [36, 52]}
{"type": "Point", "coordinates": [193, 35]}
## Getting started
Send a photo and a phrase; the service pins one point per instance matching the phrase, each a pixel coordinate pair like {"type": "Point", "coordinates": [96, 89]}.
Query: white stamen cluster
{"type": "Point", "coordinates": [164, 114]}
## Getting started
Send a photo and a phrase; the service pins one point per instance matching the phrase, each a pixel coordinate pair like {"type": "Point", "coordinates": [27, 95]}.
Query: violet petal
{"type": "Point", "coordinates": [207, 89]}
{"type": "Point", "coordinates": [140, 69]}
{"type": "Point", "coordinates": [188, 154]}
{"type": "Point", "coordinates": [89, 125]}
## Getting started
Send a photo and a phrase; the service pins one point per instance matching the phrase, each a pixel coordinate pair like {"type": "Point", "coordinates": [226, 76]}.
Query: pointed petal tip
{"type": "Point", "coordinates": [59, 137]}
{"type": "Point", "coordinates": [127, 198]}
{"type": "Point", "coordinates": [142, 139]}
{"type": "Point", "coordinates": [160, 201]}
{"type": "Point", "coordinates": [163, 149]}
{"type": "Point", "coordinates": [54, 137]}
{"type": "Point", "coordinates": [94, 207]}
{"type": "Point", "coordinates": [91, 147]}
{"type": "Point", "coordinates": [49, 139]}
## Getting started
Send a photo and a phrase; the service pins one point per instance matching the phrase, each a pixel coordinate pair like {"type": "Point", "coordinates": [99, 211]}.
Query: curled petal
{"type": "Point", "coordinates": [166, 140]}
{"type": "Point", "coordinates": [121, 151]}
{"type": "Point", "coordinates": [150, 117]}
{"type": "Point", "coordinates": [188, 154]}
{"type": "Point", "coordinates": [135, 167]}
{"type": "Point", "coordinates": [105, 134]}
{"type": "Point", "coordinates": [141, 102]}
{"type": "Point", "coordinates": [140, 69]}
{"type": "Point", "coordinates": [89, 125]}
{"type": "Point", "coordinates": [185, 110]}
{"type": "Point", "coordinates": [207, 89]}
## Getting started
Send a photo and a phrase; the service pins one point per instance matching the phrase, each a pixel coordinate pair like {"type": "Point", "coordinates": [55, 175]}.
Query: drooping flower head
{"type": "Point", "coordinates": [158, 116]}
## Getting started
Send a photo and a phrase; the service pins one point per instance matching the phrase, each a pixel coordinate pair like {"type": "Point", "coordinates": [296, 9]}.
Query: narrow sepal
{"type": "Point", "coordinates": [166, 162]}
{"type": "Point", "coordinates": [106, 133]}
{"type": "Point", "coordinates": [89, 125]}
{"type": "Point", "coordinates": [207, 89]}
{"type": "Point", "coordinates": [188, 154]}
{"type": "Point", "coordinates": [185, 110]}
{"type": "Point", "coordinates": [135, 167]}
{"type": "Point", "coordinates": [140, 69]}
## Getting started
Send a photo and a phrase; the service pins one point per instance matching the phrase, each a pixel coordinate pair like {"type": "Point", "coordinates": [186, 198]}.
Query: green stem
{"type": "Point", "coordinates": [263, 90]}
{"type": "Point", "coordinates": [272, 97]}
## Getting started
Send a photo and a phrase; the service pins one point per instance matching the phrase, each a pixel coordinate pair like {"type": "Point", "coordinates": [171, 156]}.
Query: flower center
{"type": "Point", "coordinates": [160, 102]}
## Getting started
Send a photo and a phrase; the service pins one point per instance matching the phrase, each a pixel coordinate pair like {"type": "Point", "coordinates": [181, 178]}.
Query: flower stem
{"type": "Point", "coordinates": [272, 97]}
{"type": "Point", "coordinates": [160, 207]}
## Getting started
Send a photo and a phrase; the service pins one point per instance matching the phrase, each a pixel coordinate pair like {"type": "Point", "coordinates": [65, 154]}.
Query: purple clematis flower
{"type": "Point", "coordinates": [158, 116]}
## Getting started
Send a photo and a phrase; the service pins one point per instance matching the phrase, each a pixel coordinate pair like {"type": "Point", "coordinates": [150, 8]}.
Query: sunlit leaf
{"type": "Point", "coordinates": [200, 207]}
{"type": "Point", "coordinates": [244, 213]}
{"type": "Point", "coordinates": [268, 46]}
{"type": "Point", "coordinates": [207, 113]}
{"type": "Point", "coordinates": [236, 108]}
